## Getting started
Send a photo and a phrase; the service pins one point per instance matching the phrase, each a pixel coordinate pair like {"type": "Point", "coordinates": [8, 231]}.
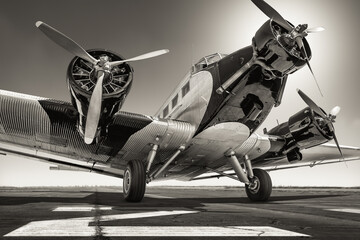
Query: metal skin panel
{"type": "Point", "coordinates": [44, 124]}
{"type": "Point", "coordinates": [171, 135]}
{"type": "Point", "coordinates": [193, 106]}
{"type": "Point", "coordinates": [255, 146]}
{"type": "Point", "coordinates": [207, 149]}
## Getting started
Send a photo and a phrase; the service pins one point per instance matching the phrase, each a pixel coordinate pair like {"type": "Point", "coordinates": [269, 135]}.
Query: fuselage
{"type": "Point", "coordinates": [254, 78]}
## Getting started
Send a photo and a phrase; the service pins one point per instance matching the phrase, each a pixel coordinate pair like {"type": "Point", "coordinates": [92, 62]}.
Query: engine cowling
{"type": "Point", "coordinates": [303, 130]}
{"type": "Point", "coordinates": [278, 51]}
{"type": "Point", "coordinates": [81, 78]}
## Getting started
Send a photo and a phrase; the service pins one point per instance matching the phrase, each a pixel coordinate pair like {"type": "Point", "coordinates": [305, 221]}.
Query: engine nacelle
{"type": "Point", "coordinates": [279, 52]}
{"type": "Point", "coordinates": [81, 78]}
{"type": "Point", "coordinates": [303, 130]}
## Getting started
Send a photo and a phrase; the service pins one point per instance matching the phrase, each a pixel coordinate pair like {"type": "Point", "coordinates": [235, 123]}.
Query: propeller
{"type": "Point", "coordinates": [329, 119]}
{"type": "Point", "coordinates": [296, 33]}
{"type": "Point", "coordinates": [101, 66]}
{"type": "Point", "coordinates": [141, 57]}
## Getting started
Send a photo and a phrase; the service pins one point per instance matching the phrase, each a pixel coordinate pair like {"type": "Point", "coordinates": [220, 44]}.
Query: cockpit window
{"type": "Point", "coordinates": [200, 65]}
{"type": "Point", "coordinates": [213, 58]}
{"type": "Point", "coordinates": [206, 61]}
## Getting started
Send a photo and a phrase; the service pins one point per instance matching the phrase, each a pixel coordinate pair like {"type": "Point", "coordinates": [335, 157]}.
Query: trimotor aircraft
{"type": "Point", "coordinates": [207, 125]}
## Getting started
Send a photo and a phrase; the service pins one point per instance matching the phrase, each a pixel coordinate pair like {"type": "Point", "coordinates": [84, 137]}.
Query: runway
{"type": "Point", "coordinates": [178, 213]}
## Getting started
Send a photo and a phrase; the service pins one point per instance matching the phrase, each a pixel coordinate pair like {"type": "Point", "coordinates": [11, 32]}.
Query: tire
{"type": "Point", "coordinates": [262, 190]}
{"type": "Point", "coordinates": [134, 181]}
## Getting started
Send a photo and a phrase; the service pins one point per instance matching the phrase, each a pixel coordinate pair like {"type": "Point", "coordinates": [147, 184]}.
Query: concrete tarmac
{"type": "Point", "coordinates": [178, 213]}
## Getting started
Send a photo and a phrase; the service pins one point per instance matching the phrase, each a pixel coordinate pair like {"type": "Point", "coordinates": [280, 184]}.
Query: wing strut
{"type": "Point", "coordinates": [221, 174]}
{"type": "Point", "coordinates": [167, 163]}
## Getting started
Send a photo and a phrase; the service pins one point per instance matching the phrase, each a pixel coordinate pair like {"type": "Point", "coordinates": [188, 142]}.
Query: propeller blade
{"type": "Point", "coordinates": [65, 42]}
{"type": "Point", "coordinates": [93, 115]}
{"type": "Point", "coordinates": [141, 57]}
{"type": "Point", "coordinates": [303, 52]}
{"type": "Point", "coordinates": [317, 84]}
{"type": "Point", "coordinates": [311, 104]}
{"type": "Point", "coordinates": [272, 14]}
{"type": "Point", "coordinates": [314, 30]}
{"type": "Point", "coordinates": [337, 144]}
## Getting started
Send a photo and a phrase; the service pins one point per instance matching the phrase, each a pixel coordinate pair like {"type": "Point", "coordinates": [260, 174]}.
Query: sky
{"type": "Point", "coordinates": [30, 63]}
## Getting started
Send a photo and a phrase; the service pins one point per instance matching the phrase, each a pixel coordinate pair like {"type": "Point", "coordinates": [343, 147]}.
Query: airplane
{"type": "Point", "coordinates": [207, 125]}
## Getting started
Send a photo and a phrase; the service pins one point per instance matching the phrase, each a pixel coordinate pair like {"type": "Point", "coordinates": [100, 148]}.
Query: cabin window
{"type": "Point", "coordinates": [174, 101]}
{"type": "Point", "coordinates": [185, 89]}
{"type": "Point", "coordinates": [166, 111]}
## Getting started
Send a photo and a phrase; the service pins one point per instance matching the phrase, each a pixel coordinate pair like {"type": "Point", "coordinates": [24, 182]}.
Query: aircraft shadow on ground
{"type": "Point", "coordinates": [117, 200]}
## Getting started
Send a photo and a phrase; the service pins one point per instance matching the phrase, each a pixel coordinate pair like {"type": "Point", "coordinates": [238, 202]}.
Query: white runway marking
{"type": "Point", "coordinates": [80, 227]}
{"type": "Point", "coordinates": [198, 231]}
{"type": "Point", "coordinates": [157, 196]}
{"type": "Point", "coordinates": [80, 209]}
{"type": "Point", "coordinates": [348, 210]}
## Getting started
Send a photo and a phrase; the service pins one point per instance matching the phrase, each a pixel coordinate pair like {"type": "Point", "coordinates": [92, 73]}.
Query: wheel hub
{"type": "Point", "coordinates": [254, 185]}
{"type": "Point", "coordinates": [127, 181]}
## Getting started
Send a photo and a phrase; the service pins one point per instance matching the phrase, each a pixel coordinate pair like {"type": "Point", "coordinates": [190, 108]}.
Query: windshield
{"type": "Point", "coordinates": [206, 61]}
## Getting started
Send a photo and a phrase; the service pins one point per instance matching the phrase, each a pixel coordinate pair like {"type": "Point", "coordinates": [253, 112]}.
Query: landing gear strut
{"type": "Point", "coordinates": [134, 181]}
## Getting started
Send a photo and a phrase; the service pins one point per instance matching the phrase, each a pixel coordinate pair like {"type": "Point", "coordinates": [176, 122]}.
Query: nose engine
{"type": "Point", "coordinates": [82, 79]}
{"type": "Point", "coordinates": [278, 49]}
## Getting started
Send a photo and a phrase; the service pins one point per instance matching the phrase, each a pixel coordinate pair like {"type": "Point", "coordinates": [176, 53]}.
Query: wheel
{"type": "Point", "coordinates": [134, 181]}
{"type": "Point", "coordinates": [260, 188]}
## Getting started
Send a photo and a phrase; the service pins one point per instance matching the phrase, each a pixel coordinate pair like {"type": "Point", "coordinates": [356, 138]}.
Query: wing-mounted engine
{"type": "Point", "coordinates": [99, 81]}
{"type": "Point", "coordinates": [303, 130]}
{"type": "Point", "coordinates": [82, 79]}
{"type": "Point", "coordinates": [307, 128]}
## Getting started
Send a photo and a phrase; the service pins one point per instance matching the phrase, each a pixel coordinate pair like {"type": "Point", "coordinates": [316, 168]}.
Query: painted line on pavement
{"type": "Point", "coordinates": [348, 210]}
{"type": "Point", "coordinates": [198, 231]}
{"type": "Point", "coordinates": [76, 229]}
{"type": "Point", "coordinates": [158, 196]}
{"type": "Point", "coordinates": [81, 209]}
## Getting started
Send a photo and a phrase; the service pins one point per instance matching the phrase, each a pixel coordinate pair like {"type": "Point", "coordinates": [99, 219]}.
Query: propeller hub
{"type": "Point", "coordinates": [103, 64]}
{"type": "Point", "coordinates": [299, 31]}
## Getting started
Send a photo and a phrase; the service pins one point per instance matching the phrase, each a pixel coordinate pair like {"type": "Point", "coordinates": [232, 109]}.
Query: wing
{"type": "Point", "coordinates": [320, 155]}
{"type": "Point", "coordinates": [46, 130]}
